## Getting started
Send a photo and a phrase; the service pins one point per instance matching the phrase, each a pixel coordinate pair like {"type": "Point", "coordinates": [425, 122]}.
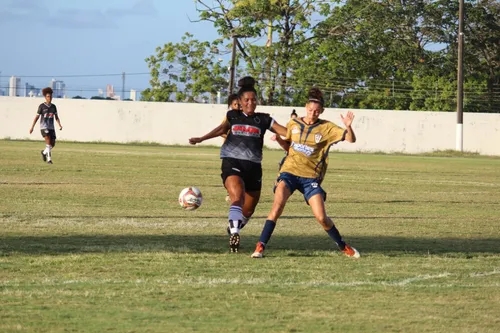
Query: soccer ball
{"type": "Point", "coordinates": [190, 198]}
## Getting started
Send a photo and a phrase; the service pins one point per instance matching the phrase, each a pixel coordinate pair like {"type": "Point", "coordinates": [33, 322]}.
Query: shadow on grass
{"type": "Point", "coordinates": [219, 217]}
{"type": "Point", "coordinates": [299, 245]}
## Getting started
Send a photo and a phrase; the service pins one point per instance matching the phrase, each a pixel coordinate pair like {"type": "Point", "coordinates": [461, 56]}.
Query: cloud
{"type": "Point", "coordinates": [81, 19]}
{"type": "Point", "coordinates": [22, 10]}
{"type": "Point", "coordinates": [140, 8]}
{"type": "Point", "coordinates": [26, 5]}
{"type": "Point", "coordinates": [37, 12]}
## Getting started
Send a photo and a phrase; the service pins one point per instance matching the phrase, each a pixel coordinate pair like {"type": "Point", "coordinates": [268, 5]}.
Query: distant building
{"type": "Point", "coordinates": [133, 94]}
{"type": "Point", "coordinates": [15, 86]}
{"type": "Point", "coordinates": [110, 91]}
{"type": "Point", "coordinates": [30, 90]}
{"type": "Point", "coordinates": [59, 88]}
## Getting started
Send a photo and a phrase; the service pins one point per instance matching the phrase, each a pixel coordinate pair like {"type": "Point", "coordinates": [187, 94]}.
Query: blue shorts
{"type": "Point", "coordinates": [307, 186]}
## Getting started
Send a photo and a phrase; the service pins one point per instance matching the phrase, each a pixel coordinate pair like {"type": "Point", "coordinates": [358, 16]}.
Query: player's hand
{"type": "Point", "coordinates": [31, 130]}
{"type": "Point", "coordinates": [194, 141]}
{"type": "Point", "coordinates": [347, 120]}
{"type": "Point", "coordinates": [60, 128]}
{"type": "Point", "coordinates": [273, 138]}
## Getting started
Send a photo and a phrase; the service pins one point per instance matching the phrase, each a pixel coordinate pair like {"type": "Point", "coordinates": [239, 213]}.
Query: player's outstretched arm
{"type": "Point", "coordinates": [347, 120]}
{"type": "Point", "coordinates": [285, 145]}
{"type": "Point", "coordinates": [34, 123]}
{"type": "Point", "coordinates": [218, 131]}
{"type": "Point", "coordinates": [278, 129]}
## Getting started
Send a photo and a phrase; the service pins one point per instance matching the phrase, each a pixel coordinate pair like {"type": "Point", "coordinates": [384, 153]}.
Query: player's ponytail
{"type": "Point", "coordinates": [316, 96]}
{"type": "Point", "coordinates": [246, 84]}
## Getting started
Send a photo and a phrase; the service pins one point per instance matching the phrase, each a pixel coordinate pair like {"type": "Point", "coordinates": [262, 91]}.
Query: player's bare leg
{"type": "Point", "coordinates": [251, 200]}
{"type": "Point", "coordinates": [318, 207]}
{"type": "Point", "coordinates": [281, 195]}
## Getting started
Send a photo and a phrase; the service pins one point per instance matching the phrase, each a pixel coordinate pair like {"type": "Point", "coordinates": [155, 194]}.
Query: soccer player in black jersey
{"type": "Point", "coordinates": [241, 156]}
{"type": "Point", "coordinates": [47, 112]}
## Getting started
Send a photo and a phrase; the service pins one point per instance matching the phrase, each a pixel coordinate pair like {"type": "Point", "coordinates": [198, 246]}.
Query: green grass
{"type": "Point", "coordinates": [97, 243]}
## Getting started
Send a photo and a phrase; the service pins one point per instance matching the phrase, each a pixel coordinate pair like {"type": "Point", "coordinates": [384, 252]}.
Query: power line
{"type": "Point", "coordinates": [78, 75]}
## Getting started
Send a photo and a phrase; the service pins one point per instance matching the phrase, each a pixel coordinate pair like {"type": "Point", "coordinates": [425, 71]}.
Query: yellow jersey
{"type": "Point", "coordinates": [309, 145]}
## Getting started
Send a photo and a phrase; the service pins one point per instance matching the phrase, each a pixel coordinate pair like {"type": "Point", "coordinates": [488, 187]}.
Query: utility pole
{"type": "Point", "coordinates": [460, 79]}
{"type": "Point", "coordinates": [123, 86]}
{"type": "Point", "coordinates": [232, 68]}
{"type": "Point", "coordinates": [269, 70]}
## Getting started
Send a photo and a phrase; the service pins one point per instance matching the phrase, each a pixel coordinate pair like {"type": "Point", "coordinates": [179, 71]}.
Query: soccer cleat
{"type": "Point", "coordinates": [234, 243]}
{"type": "Point", "coordinates": [259, 251]}
{"type": "Point", "coordinates": [44, 157]}
{"type": "Point", "coordinates": [351, 252]}
{"type": "Point", "coordinates": [49, 162]}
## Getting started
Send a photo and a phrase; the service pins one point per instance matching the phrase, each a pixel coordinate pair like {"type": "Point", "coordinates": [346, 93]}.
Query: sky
{"type": "Point", "coordinates": [57, 38]}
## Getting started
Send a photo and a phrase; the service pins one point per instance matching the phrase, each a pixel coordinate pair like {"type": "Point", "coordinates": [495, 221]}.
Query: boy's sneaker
{"type": "Point", "coordinates": [44, 157]}
{"type": "Point", "coordinates": [259, 251]}
{"type": "Point", "coordinates": [234, 243]}
{"type": "Point", "coordinates": [351, 252]}
{"type": "Point", "coordinates": [49, 162]}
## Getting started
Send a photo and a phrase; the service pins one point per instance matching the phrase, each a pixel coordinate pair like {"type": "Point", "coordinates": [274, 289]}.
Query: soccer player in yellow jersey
{"type": "Point", "coordinates": [304, 168]}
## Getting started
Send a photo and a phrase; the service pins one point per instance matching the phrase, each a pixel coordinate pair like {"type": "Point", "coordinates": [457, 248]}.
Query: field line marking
{"type": "Point", "coordinates": [223, 281]}
{"type": "Point", "coordinates": [256, 281]}
{"type": "Point", "coordinates": [480, 274]}
{"type": "Point", "coordinates": [407, 281]}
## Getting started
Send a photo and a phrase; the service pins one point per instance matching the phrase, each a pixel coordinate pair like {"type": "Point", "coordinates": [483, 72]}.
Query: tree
{"type": "Point", "coordinates": [189, 70]}
{"type": "Point", "coordinates": [368, 51]}
{"type": "Point", "coordinates": [271, 64]}
{"type": "Point", "coordinates": [380, 54]}
{"type": "Point", "coordinates": [481, 51]}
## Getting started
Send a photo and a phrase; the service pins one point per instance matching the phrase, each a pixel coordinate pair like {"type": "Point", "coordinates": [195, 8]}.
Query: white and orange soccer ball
{"type": "Point", "coordinates": [190, 198]}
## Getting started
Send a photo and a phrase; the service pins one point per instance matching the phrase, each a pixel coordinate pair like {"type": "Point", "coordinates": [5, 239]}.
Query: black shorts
{"type": "Point", "coordinates": [249, 172]}
{"type": "Point", "coordinates": [49, 133]}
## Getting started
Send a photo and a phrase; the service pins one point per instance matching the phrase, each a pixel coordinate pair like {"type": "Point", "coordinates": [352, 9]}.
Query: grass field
{"type": "Point", "coordinates": [97, 243]}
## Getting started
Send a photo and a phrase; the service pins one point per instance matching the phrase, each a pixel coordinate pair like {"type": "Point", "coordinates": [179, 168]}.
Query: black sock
{"type": "Point", "coordinates": [335, 235]}
{"type": "Point", "coordinates": [267, 231]}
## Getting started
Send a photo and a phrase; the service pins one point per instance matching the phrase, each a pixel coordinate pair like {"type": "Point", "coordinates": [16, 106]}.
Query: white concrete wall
{"type": "Point", "coordinates": [175, 123]}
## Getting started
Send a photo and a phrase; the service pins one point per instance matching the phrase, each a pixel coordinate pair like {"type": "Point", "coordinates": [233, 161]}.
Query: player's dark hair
{"type": "Point", "coordinates": [293, 113]}
{"type": "Point", "coordinates": [230, 99]}
{"type": "Point", "coordinates": [315, 95]}
{"type": "Point", "coordinates": [246, 84]}
{"type": "Point", "coordinates": [47, 90]}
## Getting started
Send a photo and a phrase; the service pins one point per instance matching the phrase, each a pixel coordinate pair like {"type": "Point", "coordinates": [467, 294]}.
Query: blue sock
{"type": "Point", "coordinates": [335, 235]}
{"type": "Point", "coordinates": [267, 231]}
